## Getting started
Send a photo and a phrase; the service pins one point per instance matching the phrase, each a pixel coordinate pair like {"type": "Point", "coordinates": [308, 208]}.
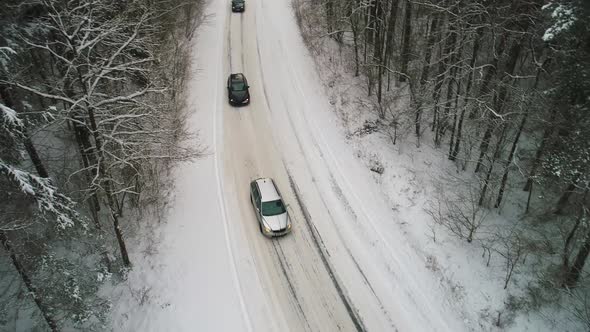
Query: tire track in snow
{"type": "Point", "coordinates": [334, 168]}
{"type": "Point", "coordinates": [349, 209]}
{"type": "Point", "coordinates": [218, 146]}
{"type": "Point", "coordinates": [347, 206]}
{"type": "Point", "coordinates": [284, 267]}
{"type": "Point", "coordinates": [356, 265]}
{"type": "Point", "coordinates": [248, 162]}
{"type": "Point", "coordinates": [229, 48]}
{"type": "Point", "coordinates": [242, 40]}
{"type": "Point", "coordinates": [264, 87]}
{"type": "Point", "coordinates": [335, 186]}
{"type": "Point", "coordinates": [338, 191]}
{"type": "Point", "coordinates": [278, 260]}
{"type": "Point", "coordinates": [352, 312]}
{"type": "Point", "coordinates": [319, 244]}
{"type": "Point", "coordinates": [314, 231]}
{"type": "Point", "coordinates": [300, 274]}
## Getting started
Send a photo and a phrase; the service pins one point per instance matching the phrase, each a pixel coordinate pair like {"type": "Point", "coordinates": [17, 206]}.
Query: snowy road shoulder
{"type": "Point", "coordinates": [191, 280]}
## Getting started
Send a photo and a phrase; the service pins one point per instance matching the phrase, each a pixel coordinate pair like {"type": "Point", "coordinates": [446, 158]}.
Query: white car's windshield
{"type": "Point", "coordinates": [273, 208]}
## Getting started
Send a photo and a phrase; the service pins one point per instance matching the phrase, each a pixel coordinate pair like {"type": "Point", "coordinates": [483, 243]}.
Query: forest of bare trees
{"type": "Point", "coordinates": [502, 88]}
{"type": "Point", "coordinates": [91, 119]}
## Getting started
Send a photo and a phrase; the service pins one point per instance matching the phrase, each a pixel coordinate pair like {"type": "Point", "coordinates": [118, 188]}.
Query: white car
{"type": "Point", "coordinates": [269, 208]}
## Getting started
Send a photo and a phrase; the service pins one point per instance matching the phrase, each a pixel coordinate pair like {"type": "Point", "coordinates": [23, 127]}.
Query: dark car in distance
{"type": "Point", "coordinates": [237, 89]}
{"type": "Point", "coordinates": [238, 5]}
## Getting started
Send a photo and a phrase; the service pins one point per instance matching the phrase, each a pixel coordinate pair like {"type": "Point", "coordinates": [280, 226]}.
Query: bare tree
{"type": "Point", "coordinates": [458, 212]}
{"type": "Point", "coordinates": [124, 121]}
{"type": "Point", "coordinates": [511, 246]}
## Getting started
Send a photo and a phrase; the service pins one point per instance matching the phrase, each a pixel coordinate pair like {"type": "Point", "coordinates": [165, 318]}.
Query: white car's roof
{"type": "Point", "coordinates": [268, 192]}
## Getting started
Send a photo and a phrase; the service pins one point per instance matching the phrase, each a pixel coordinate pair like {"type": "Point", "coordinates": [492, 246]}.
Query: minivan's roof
{"type": "Point", "coordinates": [237, 76]}
{"type": "Point", "coordinates": [268, 191]}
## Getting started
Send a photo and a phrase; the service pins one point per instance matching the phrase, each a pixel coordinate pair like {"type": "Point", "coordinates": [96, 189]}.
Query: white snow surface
{"type": "Point", "coordinates": [347, 265]}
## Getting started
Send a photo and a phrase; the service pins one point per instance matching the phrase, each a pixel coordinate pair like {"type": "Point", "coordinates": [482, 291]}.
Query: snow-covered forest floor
{"type": "Point", "coordinates": [416, 177]}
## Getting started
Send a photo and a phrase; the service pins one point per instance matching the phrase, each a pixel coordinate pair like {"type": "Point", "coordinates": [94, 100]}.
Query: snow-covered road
{"type": "Point", "coordinates": [287, 278]}
{"type": "Point", "coordinates": [345, 266]}
{"type": "Point", "coordinates": [336, 270]}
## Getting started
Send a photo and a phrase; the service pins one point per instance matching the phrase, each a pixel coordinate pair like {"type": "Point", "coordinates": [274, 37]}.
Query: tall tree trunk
{"type": "Point", "coordinates": [540, 150]}
{"type": "Point", "coordinates": [563, 200]}
{"type": "Point", "coordinates": [447, 56]}
{"type": "Point", "coordinates": [568, 241]}
{"type": "Point", "coordinates": [495, 156]}
{"type": "Point", "coordinates": [455, 127]}
{"type": "Point", "coordinates": [28, 143]}
{"type": "Point", "coordinates": [406, 47]}
{"type": "Point", "coordinates": [391, 22]}
{"type": "Point", "coordinates": [573, 273]}
{"type": "Point", "coordinates": [490, 71]}
{"type": "Point", "coordinates": [366, 31]}
{"type": "Point", "coordinates": [32, 152]}
{"type": "Point", "coordinates": [105, 177]}
{"type": "Point", "coordinates": [459, 135]}
{"type": "Point", "coordinates": [499, 103]}
{"type": "Point", "coordinates": [432, 33]}
{"type": "Point", "coordinates": [509, 161]}
{"type": "Point", "coordinates": [483, 148]}
{"type": "Point", "coordinates": [380, 73]}
{"type": "Point", "coordinates": [114, 209]}
{"type": "Point", "coordinates": [474, 54]}
{"type": "Point", "coordinates": [380, 47]}
{"type": "Point", "coordinates": [354, 28]}
{"type": "Point", "coordinates": [45, 311]}
{"type": "Point", "coordinates": [370, 23]}
{"type": "Point", "coordinates": [452, 80]}
{"type": "Point", "coordinates": [89, 154]}
{"type": "Point", "coordinates": [452, 95]}
{"type": "Point", "coordinates": [528, 200]}
{"type": "Point", "coordinates": [390, 37]}
{"type": "Point", "coordinates": [515, 143]}
{"type": "Point", "coordinates": [374, 27]}
{"type": "Point", "coordinates": [329, 15]}
{"type": "Point", "coordinates": [84, 148]}
{"type": "Point", "coordinates": [114, 212]}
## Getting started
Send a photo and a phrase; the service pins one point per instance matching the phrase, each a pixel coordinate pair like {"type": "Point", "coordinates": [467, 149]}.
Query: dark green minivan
{"type": "Point", "coordinates": [238, 5]}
